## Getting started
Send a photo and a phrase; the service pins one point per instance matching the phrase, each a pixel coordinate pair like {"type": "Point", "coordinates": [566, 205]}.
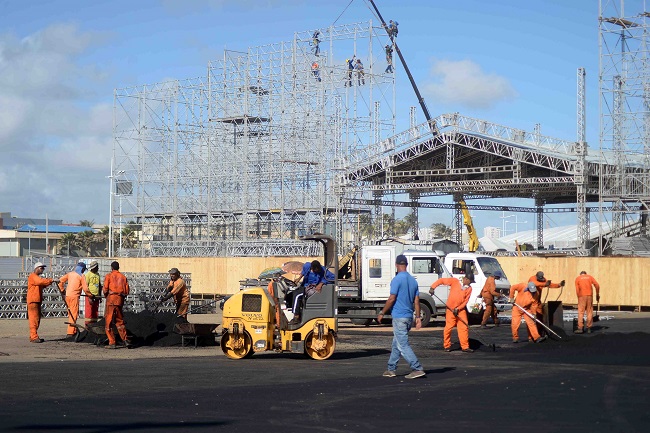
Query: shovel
{"type": "Point", "coordinates": [597, 315]}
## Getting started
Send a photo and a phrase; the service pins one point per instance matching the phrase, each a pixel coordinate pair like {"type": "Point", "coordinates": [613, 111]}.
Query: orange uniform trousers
{"type": "Point", "coordinates": [490, 311]}
{"type": "Point", "coordinates": [34, 317]}
{"type": "Point", "coordinates": [113, 314]}
{"type": "Point", "coordinates": [452, 321]}
{"type": "Point", "coordinates": [73, 312]}
{"type": "Point", "coordinates": [585, 305]}
{"type": "Point", "coordinates": [531, 325]}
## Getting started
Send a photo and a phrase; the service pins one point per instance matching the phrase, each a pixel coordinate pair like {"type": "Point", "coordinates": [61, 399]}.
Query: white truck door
{"type": "Point", "coordinates": [423, 270]}
{"type": "Point", "coordinates": [377, 270]}
{"type": "Point", "coordinates": [465, 264]}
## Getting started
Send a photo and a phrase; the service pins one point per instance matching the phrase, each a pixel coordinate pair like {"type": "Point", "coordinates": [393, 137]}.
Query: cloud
{"type": "Point", "coordinates": [465, 83]}
{"type": "Point", "coordinates": [55, 136]}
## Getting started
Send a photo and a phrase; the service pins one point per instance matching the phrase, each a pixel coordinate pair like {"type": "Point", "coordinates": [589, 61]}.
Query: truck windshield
{"type": "Point", "coordinates": [490, 265]}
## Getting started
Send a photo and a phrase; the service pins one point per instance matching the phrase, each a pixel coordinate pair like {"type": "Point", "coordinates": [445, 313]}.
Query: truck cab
{"type": "Point", "coordinates": [478, 267]}
{"type": "Point", "coordinates": [378, 269]}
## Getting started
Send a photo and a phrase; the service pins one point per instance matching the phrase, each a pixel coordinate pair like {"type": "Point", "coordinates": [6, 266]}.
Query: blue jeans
{"type": "Point", "coordinates": [401, 346]}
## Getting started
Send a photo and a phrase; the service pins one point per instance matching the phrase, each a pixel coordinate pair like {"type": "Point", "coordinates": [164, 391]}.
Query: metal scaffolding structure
{"type": "Point", "coordinates": [248, 158]}
{"type": "Point", "coordinates": [624, 114]}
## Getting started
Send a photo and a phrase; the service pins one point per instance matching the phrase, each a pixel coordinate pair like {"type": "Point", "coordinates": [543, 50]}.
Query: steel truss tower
{"type": "Point", "coordinates": [624, 115]}
{"type": "Point", "coordinates": [249, 157]}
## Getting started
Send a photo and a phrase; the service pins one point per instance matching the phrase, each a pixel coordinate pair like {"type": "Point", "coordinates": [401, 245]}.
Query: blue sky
{"type": "Point", "coordinates": [510, 62]}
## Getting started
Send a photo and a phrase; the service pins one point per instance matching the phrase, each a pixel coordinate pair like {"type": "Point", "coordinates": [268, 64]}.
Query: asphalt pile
{"type": "Point", "coordinates": [143, 329]}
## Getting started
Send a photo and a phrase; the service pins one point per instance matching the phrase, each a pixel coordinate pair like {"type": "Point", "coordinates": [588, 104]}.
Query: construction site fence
{"type": "Point", "coordinates": [622, 279]}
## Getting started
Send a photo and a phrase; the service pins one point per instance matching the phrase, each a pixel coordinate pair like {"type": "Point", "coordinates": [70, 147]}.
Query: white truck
{"type": "Point", "coordinates": [363, 293]}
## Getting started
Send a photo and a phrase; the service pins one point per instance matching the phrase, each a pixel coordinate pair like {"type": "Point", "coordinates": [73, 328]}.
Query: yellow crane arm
{"type": "Point", "coordinates": [469, 225]}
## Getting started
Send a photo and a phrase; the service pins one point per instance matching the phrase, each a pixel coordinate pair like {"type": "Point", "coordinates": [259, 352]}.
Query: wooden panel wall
{"type": "Point", "coordinates": [622, 279]}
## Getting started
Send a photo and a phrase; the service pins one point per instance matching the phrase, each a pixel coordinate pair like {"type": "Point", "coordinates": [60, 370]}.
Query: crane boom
{"type": "Point", "coordinates": [423, 105]}
{"type": "Point", "coordinates": [473, 243]}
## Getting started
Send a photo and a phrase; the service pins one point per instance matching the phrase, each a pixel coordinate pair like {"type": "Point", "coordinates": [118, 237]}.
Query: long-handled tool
{"type": "Point", "coordinates": [537, 320]}
{"type": "Point", "coordinates": [493, 346]}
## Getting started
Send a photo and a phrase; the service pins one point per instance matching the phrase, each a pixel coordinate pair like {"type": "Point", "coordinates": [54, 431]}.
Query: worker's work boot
{"type": "Point", "coordinates": [578, 331]}
{"type": "Point", "coordinates": [36, 340]}
{"type": "Point", "coordinates": [588, 330]}
{"type": "Point", "coordinates": [468, 350]}
{"type": "Point", "coordinates": [515, 341]}
{"type": "Point", "coordinates": [447, 349]}
{"type": "Point", "coordinates": [540, 339]}
{"type": "Point", "coordinates": [389, 373]}
{"type": "Point", "coordinates": [110, 346]}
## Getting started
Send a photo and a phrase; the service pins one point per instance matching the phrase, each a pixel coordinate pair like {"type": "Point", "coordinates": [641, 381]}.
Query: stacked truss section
{"type": "Point", "coordinates": [250, 157]}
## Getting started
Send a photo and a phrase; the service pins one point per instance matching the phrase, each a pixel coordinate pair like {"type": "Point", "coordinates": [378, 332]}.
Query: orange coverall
{"type": "Point", "coordinates": [458, 298]}
{"type": "Point", "coordinates": [585, 295]}
{"type": "Point", "coordinates": [76, 283]}
{"type": "Point", "coordinates": [527, 301]}
{"type": "Point", "coordinates": [35, 286]}
{"type": "Point", "coordinates": [488, 293]}
{"type": "Point", "coordinates": [181, 296]}
{"type": "Point", "coordinates": [116, 288]}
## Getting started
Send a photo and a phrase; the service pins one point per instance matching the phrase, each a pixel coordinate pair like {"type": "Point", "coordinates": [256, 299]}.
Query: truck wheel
{"type": "Point", "coordinates": [361, 322]}
{"type": "Point", "coordinates": [425, 314]}
{"type": "Point", "coordinates": [316, 349]}
{"type": "Point", "coordinates": [232, 352]}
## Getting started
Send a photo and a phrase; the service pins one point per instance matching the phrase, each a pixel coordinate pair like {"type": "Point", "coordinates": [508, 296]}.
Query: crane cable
{"type": "Point", "coordinates": [346, 8]}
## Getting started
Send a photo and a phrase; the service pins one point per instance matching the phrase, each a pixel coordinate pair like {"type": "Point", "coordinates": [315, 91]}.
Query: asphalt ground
{"type": "Point", "coordinates": [595, 382]}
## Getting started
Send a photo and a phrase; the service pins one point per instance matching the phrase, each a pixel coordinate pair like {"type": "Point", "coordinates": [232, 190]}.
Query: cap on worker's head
{"type": "Point", "coordinates": [532, 288]}
{"type": "Point", "coordinates": [498, 274]}
{"type": "Point", "coordinates": [38, 265]}
{"type": "Point", "coordinates": [82, 265]}
{"type": "Point", "coordinates": [93, 264]}
{"type": "Point", "coordinates": [115, 266]}
{"type": "Point", "coordinates": [174, 271]}
{"type": "Point", "coordinates": [583, 272]}
{"type": "Point", "coordinates": [539, 274]}
{"type": "Point", "coordinates": [401, 260]}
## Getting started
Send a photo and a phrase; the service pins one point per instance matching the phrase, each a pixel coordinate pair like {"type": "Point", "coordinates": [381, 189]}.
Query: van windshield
{"type": "Point", "coordinates": [490, 265]}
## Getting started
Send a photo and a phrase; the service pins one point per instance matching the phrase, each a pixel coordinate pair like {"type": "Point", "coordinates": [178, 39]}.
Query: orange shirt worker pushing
{"type": "Point", "coordinates": [178, 289]}
{"type": "Point", "coordinates": [35, 286]}
{"type": "Point", "coordinates": [526, 299]}
{"type": "Point", "coordinates": [585, 294]}
{"type": "Point", "coordinates": [76, 282]}
{"type": "Point", "coordinates": [116, 288]}
{"type": "Point", "coordinates": [456, 314]}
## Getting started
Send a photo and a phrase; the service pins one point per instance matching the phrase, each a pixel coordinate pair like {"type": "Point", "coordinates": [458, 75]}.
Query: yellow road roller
{"type": "Point", "coordinates": [253, 320]}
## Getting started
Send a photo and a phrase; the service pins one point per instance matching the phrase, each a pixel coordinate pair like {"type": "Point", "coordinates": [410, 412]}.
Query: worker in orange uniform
{"type": "Point", "coordinates": [456, 314]}
{"type": "Point", "coordinates": [35, 286]}
{"type": "Point", "coordinates": [526, 299]}
{"type": "Point", "coordinates": [76, 282]}
{"type": "Point", "coordinates": [178, 289]}
{"type": "Point", "coordinates": [488, 293]}
{"type": "Point", "coordinates": [585, 293]}
{"type": "Point", "coordinates": [116, 289]}
{"type": "Point", "coordinates": [540, 283]}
